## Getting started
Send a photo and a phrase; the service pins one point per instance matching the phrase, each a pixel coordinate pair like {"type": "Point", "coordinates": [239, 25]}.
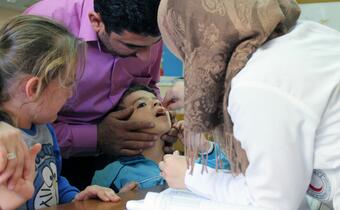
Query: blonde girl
{"type": "Point", "coordinates": [38, 62]}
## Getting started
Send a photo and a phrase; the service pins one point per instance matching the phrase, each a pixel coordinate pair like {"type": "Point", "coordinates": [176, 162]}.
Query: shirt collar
{"type": "Point", "coordinates": [86, 31]}
{"type": "Point", "coordinates": [30, 131]}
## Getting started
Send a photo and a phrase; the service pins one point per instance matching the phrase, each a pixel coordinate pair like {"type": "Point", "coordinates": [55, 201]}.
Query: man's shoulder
{"type": "Point", "coordinates": [67, 12]}
{"type": "Point", "coordinates": [50, 8]}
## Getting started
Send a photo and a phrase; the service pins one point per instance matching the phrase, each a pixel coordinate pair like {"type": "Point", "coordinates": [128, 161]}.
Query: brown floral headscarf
{"type": "Point", "coordinates": [215, 39]}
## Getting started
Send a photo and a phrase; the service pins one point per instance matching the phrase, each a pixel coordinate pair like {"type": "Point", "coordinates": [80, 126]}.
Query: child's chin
{"type": "Point", "coordinates": [158, 130]}
{"type": "Point", "coordinates": [54, 118]}
{"type": "Point", "coordinates": [51, 119]}
{"type": "Point", "coordinates": [45, 120]}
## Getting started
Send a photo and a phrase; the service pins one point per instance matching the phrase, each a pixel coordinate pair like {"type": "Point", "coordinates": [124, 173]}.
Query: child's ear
{"type": "Point", "coordinates": [31, 87]}
{"type": "Point", "coordinates": [96, 22]}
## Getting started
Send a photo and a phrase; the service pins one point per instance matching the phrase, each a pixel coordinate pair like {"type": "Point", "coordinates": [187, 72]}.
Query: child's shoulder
{"type": "Point", "coordinates": [124, 170]}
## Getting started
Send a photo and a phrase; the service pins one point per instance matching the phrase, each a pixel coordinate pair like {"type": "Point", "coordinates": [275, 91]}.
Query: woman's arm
{"type": "Point", "coordinates": [277, 132]}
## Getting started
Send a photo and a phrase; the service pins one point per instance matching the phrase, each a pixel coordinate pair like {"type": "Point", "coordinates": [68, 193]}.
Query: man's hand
{"type": "Point", "coordinates": [119, 137]}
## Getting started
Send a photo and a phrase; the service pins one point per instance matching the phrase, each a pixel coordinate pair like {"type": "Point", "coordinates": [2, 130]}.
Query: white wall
{"type": "Point", "coordinates": [324, 13]}
{"type": "Point", "coordinates": [6, 13]}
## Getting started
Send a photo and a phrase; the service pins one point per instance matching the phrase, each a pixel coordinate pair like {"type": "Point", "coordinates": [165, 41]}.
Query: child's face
{"type": "Point", "coordinates": [50, 102]}
{"type": "Point", "coordinates": [148, 108]}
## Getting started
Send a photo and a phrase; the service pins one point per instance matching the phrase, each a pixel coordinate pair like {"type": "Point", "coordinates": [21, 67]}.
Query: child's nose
{"type": "Point", "coordinates": [157, 103]}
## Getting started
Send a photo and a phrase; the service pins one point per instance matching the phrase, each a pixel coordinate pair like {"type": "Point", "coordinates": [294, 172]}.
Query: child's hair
{"type": "Point", "coordinates": [131, 89]}
{"type": "Point", "coordinates": [37, 46]}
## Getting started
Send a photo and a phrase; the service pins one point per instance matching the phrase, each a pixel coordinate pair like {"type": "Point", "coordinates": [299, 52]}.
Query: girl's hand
{"type": "Point", "coordinates": [13, 153]}
{"type": "Point", "coordinates": [173, 169]}
{"type": "Point", "coordinates": [95, 191]}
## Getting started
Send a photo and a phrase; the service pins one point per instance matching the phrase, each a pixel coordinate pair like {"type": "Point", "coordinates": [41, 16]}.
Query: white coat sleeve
{"type": "Point", "coordinates": [277, 131]}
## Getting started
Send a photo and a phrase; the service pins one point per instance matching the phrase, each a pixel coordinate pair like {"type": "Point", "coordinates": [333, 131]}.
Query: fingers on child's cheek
{"type": "Point", "coordinates": [173, 132]}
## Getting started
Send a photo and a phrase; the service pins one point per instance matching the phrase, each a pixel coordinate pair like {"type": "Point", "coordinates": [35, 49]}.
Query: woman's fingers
{"type": "Point", "coordinates": [29, 166]}
{"type": "Point", "coordinates": [19, 167]}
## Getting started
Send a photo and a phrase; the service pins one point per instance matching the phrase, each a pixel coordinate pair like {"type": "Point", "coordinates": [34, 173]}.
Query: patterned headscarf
{"type": "Point", "coordinates": [215, 39]}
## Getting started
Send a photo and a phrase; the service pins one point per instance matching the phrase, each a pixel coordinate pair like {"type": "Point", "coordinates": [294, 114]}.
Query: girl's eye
{"type": "Point", "coordinates": [141, 105]}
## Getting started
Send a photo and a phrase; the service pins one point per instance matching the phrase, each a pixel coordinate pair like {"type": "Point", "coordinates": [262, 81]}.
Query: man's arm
{"type": "Point", "coordinates": [68, 134]}
{"type": "Point", "coordinates": [155, 67]}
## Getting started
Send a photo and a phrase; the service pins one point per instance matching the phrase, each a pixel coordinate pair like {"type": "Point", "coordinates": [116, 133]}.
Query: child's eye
{"type": "Point", "coordinates": [141, 105]}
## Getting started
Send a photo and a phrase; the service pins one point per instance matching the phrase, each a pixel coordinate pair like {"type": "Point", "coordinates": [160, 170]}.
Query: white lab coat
{"type": "Point", "coordinates": [285, 106]}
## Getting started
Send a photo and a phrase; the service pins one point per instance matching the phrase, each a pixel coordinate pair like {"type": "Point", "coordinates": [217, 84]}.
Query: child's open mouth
{"type": "Point", "coordinates": [160, 112]}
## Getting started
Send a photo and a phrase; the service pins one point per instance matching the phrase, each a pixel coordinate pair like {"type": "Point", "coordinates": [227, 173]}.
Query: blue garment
{"type": "Point", "coordinates": [50, 187]}
{"type": "Point", "coordinates": [127, 169]}
{"type": "Point", "coordinates": [212, 158]}
{"type": "Point", "coordinates": [143, 171]}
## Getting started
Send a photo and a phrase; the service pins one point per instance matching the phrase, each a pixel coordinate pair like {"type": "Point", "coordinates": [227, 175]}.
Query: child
{"type": "Point", "coordinates": [142, 169]}
{"type": "Point", "coordinates": [38, 58]}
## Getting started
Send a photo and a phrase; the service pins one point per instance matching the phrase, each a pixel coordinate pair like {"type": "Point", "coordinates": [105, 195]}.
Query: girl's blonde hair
{"type": "Point", "coordinates": [37, 46]}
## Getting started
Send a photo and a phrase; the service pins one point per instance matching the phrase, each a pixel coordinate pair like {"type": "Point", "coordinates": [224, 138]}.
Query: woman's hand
{"type": "Point", "coordinates": [174, 98]}
{"type": "Point", "coordinates": [95, 191]}
{"type": "Point", "coordinates": [173, 169]}
{"type": "Point", "coordinates": [24, 189]}
{"type": "Point", "coordinates": [179, 126]}
{"type": "Point", "coordinates": [13, 153]}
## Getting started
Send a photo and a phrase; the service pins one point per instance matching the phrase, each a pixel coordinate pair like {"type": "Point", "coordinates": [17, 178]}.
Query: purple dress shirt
{"type": "Point", "coordinates": [102, 82]}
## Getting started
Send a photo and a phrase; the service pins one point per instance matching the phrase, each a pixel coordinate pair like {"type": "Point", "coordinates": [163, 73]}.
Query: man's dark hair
{"type": "Point", "coordinates": [131, 89]}
{"type": "Point", "coordinates": [135, 16]}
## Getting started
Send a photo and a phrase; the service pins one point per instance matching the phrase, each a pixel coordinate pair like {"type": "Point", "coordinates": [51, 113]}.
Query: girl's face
{"type": "Point", "coordinates": [148, 108]}
{"type": "Point", "coordinates": [50, 102]}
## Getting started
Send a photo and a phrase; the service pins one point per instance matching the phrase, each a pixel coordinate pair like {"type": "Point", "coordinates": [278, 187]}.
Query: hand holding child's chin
{"type": "Point", "coordinates": [94, 191]}
{"type": "Point", "coordinates": [173, 169]}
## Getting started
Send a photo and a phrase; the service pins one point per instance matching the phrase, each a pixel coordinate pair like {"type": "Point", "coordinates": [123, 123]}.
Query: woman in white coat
{"type": "Point", "coordinates": [268, 88]}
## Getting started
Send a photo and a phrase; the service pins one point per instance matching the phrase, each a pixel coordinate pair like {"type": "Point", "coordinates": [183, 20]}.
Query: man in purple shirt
{"type": "Point", "coordinates": [124, 48]}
